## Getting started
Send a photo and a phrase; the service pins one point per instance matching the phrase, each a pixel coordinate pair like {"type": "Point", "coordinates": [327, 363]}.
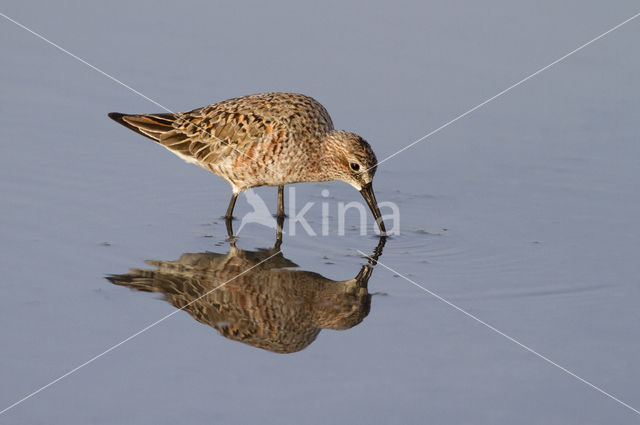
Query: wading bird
{"type": "Point", "coordinates": [269, 139]}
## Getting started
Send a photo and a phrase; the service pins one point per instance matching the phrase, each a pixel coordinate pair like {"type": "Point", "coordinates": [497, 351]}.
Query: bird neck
{"type": "Point", "coordinates": [329, 158]}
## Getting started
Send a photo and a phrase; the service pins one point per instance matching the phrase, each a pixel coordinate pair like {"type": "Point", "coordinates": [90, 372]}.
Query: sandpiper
{"type": "Point", "coordinates": [268, 139]}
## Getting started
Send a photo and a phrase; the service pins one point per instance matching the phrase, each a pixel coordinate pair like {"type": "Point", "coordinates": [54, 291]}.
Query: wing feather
{"type": "Point", "coordinates": [232, 127]}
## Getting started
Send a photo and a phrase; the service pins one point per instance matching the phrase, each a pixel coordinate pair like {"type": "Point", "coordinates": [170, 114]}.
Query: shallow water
{"type": "Point", "coordinates": [524, 213]}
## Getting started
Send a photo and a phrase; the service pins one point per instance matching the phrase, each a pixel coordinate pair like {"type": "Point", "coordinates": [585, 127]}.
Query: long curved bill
{"type": "Point", "coordinates": [370, 197]}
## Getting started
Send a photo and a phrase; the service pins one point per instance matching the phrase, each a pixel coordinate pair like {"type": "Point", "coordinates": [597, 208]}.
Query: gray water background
{"type": "Point", "coordinates": [537, 191]}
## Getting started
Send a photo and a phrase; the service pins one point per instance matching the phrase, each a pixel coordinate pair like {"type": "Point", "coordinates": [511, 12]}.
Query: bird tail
{"type": "Point", "coordinates": [153, 126]}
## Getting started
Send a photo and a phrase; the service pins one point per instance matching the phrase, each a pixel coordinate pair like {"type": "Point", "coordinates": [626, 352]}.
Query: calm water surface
{"type": "Point", "coordinates": [524, 213]}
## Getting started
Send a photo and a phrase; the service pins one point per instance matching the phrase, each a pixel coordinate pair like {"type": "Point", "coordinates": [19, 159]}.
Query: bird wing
{"type": "Point", "coordinates": [234, 126]}
{"type": "Point", "coordinates": [205, 135]}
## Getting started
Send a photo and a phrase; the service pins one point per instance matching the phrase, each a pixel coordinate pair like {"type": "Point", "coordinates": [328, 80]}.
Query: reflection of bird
{"type": "Point", "coordinates": [271, 306]}
{"type": "Point", "coordinates": [260, 213]}
{"type": "Point", "coordinates": [268, 139]}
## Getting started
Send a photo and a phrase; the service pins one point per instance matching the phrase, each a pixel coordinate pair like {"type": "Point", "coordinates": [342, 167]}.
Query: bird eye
{"type": "Point", "coordinates": [354, 166]}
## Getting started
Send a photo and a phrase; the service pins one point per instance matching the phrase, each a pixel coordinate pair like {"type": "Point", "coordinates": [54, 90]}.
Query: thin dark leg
{"type": "Point", "coordinates": [229, 224]}
{"type": "Point", "coordinates": [280, 223]}
{"type": "Point", "coordinates": [280, 216]}
{"type": "Point", "coordinates": [281, 201]}
{"type": "Point", "coordinates": [232, 204]}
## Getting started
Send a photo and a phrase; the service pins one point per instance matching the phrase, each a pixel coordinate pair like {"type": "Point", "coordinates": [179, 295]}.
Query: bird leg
{"type": "Point", "coordinates": [229, 224]}
{"type": "Point", "coordinates": [279, 225]}
{"type": "Point", "coordinates": [281, 201]}
{"type": "Point", "coordinates": [280, 216]}
{"type": "Point", "coordinates": [232, 204]}
{"type": "Point", "coordinates": [228, 217]}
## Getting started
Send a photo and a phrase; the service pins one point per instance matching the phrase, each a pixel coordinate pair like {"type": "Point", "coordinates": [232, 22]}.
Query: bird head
{"type": "Point", "coordinates": [348, 157]}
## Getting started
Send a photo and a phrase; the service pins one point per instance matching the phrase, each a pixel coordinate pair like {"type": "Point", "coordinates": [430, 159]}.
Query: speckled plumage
{"type": "Point", "coordinates": [268, 139]}
{"type": "Point", "coordinates": [270, 306]}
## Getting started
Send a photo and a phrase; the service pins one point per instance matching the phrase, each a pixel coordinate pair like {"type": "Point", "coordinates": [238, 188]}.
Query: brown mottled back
{"type": "Point", "coordinates": [250, 141]}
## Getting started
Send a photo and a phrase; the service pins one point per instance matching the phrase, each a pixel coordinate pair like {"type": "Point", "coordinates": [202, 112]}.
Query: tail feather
{"type": "Point", "coordinates": [151, 126]}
